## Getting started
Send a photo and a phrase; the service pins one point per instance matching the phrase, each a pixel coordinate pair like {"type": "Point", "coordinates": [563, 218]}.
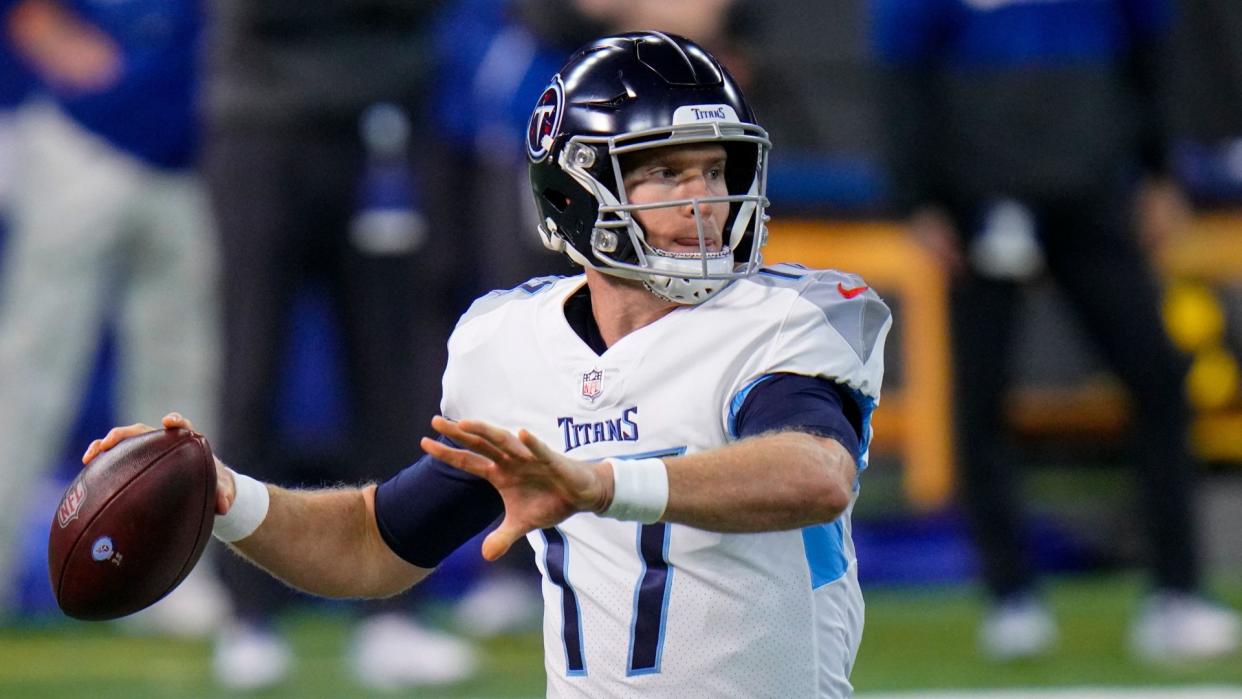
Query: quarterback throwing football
{"type": "Point", "coordinates": [679, 430]}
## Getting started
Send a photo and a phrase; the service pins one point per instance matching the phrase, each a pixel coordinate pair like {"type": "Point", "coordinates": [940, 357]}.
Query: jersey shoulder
{"type": "Point", "coordinates": [840, 300]}
{"type": "Point", "coordinates": [505, 299]}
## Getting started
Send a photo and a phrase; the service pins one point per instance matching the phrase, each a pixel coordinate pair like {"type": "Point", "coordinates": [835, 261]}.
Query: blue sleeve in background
{"type": "Point", "coordinates": [149, 110]}
{"type": "Point", "coordinates": [16, 81]}
{"type": "Point", "coordinates": [1008, 33]}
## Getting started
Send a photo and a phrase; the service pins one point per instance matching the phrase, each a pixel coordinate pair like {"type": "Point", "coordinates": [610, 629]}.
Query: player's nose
{"type": "Point", "coordinates": [696, 185]}
{"type": "Point", "coordinates": [695, 188]}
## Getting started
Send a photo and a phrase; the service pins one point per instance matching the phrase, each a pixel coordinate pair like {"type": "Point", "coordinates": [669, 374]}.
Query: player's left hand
{"type": "Point", "coordinates": [540, 487]}
{"type": "Point", "coordinates": [226, 488]}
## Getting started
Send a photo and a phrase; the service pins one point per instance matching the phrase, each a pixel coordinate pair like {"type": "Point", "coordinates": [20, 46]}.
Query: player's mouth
{"type": "Point", "coordinates": [691, 244]}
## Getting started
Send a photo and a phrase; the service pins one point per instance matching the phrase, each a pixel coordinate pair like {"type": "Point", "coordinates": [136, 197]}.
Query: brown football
{"type": "Point", "coordinates": [132, 525]}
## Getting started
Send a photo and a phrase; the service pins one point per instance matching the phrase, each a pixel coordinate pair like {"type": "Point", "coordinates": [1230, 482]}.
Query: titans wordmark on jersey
{"type": "Point", "coordinates": [670, 610]}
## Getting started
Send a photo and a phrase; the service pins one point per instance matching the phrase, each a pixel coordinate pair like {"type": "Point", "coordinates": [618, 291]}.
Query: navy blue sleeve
{"type": "Point", "coordinates": [803, 403]}
{"type": "Point", "coordinates": [430, 508]}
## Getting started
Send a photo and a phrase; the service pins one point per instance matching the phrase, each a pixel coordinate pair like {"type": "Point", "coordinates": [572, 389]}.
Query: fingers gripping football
{"type": "Point", "coordinates": [225, 488]}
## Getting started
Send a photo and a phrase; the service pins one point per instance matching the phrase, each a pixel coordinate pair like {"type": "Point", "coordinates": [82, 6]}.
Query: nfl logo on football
{"type": "Point", "coordinates": [592, 384]}
{"type": "Point", "coordinates": [71, 504]}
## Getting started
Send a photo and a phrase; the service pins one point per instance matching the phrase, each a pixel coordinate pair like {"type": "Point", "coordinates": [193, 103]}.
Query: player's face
{"type": "Point", "coordinates": [679, 172]}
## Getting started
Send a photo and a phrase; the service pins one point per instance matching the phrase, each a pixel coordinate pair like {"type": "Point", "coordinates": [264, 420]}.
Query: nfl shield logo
{"type": "Point", "coordinates": [592, 384]}
{"type": "Point", "coordinates": [69, 506]}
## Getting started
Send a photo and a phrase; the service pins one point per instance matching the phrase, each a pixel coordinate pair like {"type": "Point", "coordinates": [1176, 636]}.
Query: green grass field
{"type": "Point", "coordinates": [915, 640]}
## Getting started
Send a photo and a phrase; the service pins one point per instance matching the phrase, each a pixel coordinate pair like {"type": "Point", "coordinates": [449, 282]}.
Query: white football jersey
{"type": "Point", "coordinates": [662, 610]}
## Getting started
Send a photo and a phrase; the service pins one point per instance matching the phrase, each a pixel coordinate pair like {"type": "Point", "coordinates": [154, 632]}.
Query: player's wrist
{"type": "Point", "coordinates": [250, 505]}
{"type": "Point", "coordinates": [599, 501]}
{"type": "Point", "coordinates": [639, 490]}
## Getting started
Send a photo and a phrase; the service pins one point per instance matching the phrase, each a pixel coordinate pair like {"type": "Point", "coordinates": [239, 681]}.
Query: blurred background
{"type": "Point", "coordinates": [266, 214]}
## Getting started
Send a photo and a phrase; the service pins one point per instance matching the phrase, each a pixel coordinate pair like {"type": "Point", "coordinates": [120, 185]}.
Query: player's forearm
{"type": "Point", "coordinates": [325, 542]}
{"type": "Point", "coordinates": [767, 483]}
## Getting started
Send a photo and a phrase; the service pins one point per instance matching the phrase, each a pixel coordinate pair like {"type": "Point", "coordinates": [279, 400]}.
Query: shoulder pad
{"type": "Point", "coordinates": [495, 299]}
{"type": "Point", "coordinates": [849, 306]}
{"type": "Point", "coordinates": [782, 271]}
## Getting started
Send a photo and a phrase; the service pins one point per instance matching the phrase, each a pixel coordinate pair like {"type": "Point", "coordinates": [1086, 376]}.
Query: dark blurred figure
{"type": "Point", "coordinates": [1029, 136]}
{"type": "Point", "coordinates": [1207, 80]}
{"type": "Point", "coordinates": [495, 56]}
{"type": "Point", "coordinates": [316, 159]}
{"type": "Point", "coordinates": [1207, 104]}
{"type": "Point", "coordinates": [16, 84]}
{"type": "Point", "coordinates": [110, 227]}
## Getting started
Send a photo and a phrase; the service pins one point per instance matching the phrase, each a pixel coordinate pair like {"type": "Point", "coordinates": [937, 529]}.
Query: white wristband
{"type": "Point", "coordinates": [247, 513]}
{"type": "Point", "coordinates": [640, 490]}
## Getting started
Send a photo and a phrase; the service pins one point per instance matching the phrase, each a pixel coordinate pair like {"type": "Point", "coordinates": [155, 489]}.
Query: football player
{"type": "Point", "coordinates": [678, 431]}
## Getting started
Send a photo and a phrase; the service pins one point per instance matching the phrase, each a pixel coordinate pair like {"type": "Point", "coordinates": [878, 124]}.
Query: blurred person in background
{"type": "Point", "coordinates": [494, 57]}
{"type": "Point", "coordinates": [108, 225]}
{"type": "Point", "coordinates": [1029, 136]}
{"type": "Point", "coordinates": [16, 83]}
{"type": "Point", "coordinates": [316, 162]}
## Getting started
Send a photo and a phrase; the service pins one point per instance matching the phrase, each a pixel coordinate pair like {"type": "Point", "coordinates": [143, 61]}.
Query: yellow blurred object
{"type": "Point", "coordinates": [1218, 436]}
{"type": "Point", "coordinates": [1193, 316]}
{"type": "Point", "coordinates": [1213, 380]}
{"type": "Point", "coordinates": [914, 419]}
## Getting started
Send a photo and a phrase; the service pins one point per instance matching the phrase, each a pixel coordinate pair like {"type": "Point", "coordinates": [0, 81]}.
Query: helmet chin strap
{"type": "Point", "coordinates": [671, 276]}
{"type": "Point", "coordinates": [687, 290]}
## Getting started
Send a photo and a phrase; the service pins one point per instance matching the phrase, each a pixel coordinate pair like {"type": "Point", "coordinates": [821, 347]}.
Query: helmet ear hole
{"type": "Point", "coordinates": [556, 199]}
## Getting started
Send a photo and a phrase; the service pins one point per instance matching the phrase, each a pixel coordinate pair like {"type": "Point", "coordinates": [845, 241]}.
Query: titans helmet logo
{"type": "Point", "coordinates": [545, 121]}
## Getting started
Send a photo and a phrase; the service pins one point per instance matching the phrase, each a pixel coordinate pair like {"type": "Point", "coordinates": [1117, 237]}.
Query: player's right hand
{"type": "Point", "coordinates": [226, 489]}
{"type": "Point", "coordinates": [539, 486]}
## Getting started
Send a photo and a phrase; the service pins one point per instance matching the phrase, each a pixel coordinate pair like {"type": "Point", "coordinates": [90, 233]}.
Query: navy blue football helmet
{"type": "Point", "coordinates": [626, 93]}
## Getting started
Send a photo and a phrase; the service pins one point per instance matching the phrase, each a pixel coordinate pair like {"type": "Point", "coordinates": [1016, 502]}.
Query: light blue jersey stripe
{"type": "Point", "coordinates": [825, 552]}
{"type": "Point", "coordinates": [739, 399]}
